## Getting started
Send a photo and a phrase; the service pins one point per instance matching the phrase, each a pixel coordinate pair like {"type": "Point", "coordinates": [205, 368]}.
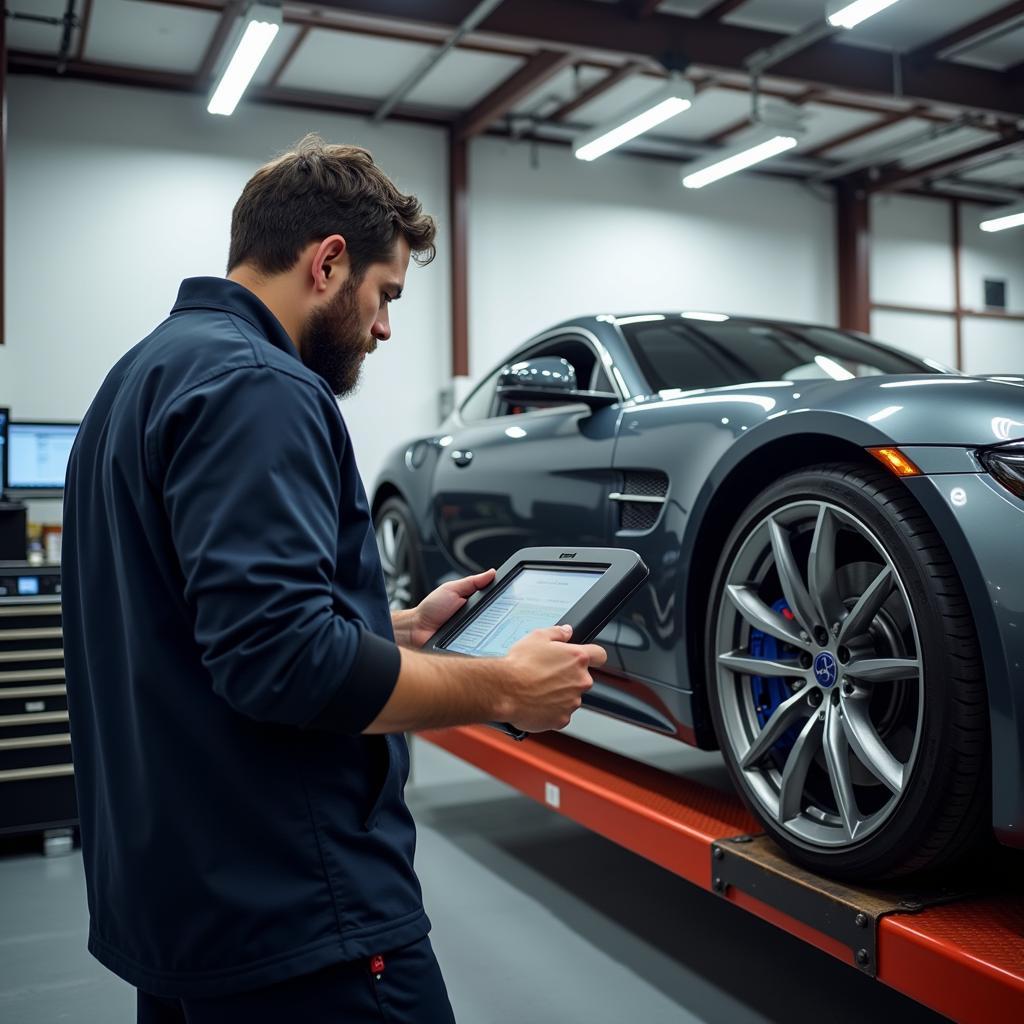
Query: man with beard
{"type": "Point", "coordinates": [238, 688]}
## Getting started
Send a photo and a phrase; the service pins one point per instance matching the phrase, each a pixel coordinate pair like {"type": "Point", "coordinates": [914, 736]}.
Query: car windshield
{"type": "Point", "coordinates": [675, 352]}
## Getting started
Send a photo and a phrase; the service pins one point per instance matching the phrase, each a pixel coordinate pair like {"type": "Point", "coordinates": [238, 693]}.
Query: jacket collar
{"type": "Point", "coordinates": [231, 297]}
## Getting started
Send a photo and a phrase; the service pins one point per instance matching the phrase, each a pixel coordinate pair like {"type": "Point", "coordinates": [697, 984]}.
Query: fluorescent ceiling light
{"type": "Point", "coordinates": [1004, 218]}
{"type": "Point", "coordinates": [847, 13]}
{"type": "Point", "coordinates": [723, 167]}
{"type": "Point", "coordinates": [262, 24]}
{"type": "Point", "coordinates": [668, 101]}
{"type": "Point", "coordinates": [715, 318]}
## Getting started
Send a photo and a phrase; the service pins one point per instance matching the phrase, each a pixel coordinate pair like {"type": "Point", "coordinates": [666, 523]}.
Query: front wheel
{"type": "Point", "coordinates": [845, 680]}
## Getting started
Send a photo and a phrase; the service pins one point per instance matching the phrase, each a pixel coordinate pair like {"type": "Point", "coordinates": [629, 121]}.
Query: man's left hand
{"type": "Point", "coordinates": [423, 621]}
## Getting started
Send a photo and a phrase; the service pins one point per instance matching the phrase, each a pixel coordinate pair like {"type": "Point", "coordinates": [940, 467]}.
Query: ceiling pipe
{"type": "Point", "coordinates": [418, 73]}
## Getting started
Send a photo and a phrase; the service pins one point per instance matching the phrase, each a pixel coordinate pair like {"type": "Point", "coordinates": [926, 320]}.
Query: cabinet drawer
{"type": "Point", "coordinates": [12, 707]}
{"type": "Point", "coordinates": [24, 657]}
{"type": "Point", "coordinates": [36, 752]}
{"type": "Point", "coordinates": [30, 675]}
{"type": "Point", "coordinates": [35, 723]}
{"type": "Point", "coordinates": [44, 772]}
{"type": "Point", "coordinates": [32, 692]}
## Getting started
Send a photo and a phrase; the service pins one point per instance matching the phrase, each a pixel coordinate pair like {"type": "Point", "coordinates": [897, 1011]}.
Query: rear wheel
{"type": "Point", "coordinates": [398, 545]}
{"type": "Point", "coordinates": [845, 680]}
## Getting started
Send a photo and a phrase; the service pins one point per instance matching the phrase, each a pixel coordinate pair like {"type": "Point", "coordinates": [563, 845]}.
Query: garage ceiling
{"type": "Point", "coordinates": [930, 86]}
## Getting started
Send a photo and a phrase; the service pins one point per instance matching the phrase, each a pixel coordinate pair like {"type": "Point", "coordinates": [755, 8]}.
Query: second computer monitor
{"type": "Point", "coordinates": [37, 456]}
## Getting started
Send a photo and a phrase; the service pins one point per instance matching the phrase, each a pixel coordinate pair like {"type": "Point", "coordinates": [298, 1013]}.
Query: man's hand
{"type": "Point", "coordinates": [415, 627]}
{"type": "Point", "coordinates": [548, 679]}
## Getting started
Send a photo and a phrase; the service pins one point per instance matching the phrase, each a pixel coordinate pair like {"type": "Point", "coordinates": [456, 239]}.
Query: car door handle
{"type": "Point", "coordinates": [461, 458]}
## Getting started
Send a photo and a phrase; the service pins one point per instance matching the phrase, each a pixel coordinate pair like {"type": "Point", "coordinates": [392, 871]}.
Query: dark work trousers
{"type": "Point", "coordinates": [407, 988]}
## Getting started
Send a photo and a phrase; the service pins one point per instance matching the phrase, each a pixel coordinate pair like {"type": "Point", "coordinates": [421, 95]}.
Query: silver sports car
{"type": "Point", "coordinates": [835, 531]}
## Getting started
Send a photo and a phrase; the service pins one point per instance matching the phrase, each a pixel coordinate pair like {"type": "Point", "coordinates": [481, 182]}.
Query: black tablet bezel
{"type": "Point", "coordinates": [622, 573]}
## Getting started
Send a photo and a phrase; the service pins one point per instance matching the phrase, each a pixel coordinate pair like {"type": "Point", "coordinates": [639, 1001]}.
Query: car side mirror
{"type": "Point", "coordinates": [547, 380]}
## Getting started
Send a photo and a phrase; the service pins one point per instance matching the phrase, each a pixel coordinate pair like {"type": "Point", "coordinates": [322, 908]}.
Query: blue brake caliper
{"type": "Point", "coordinates": [770, 691]}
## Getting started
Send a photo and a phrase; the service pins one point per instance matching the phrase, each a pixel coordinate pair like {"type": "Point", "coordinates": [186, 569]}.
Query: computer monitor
{"type": "Point", "coordinates": [5, 416]}
{"type": "Point", "coordinates": [37, 456]}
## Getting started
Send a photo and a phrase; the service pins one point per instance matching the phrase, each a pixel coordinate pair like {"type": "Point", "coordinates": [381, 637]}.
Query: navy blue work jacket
{"type": "Point", "coordinates": [227, 638]}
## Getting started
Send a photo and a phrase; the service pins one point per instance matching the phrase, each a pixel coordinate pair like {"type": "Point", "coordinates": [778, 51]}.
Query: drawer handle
{"type": "Point", "coordinates": [30, 675]}
{"type": "Point", "coordinates": [24, 610]}
{"type": "Point", "coordinates": [37, 719]}
{"type": "Point", "coordinates": [31, 634]}
{"type": "Point", "coordinates": [45, 772]}
{"type": "Point", "coordinates": [56, 654]}
{"type": "Point", "coordinates": [60, 739]}
{"type": "Point", "coordinates": [57, 690]}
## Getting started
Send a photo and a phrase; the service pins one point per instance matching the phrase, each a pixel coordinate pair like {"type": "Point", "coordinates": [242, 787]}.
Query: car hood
{"type": "Point", "coordinates": [920, 409]}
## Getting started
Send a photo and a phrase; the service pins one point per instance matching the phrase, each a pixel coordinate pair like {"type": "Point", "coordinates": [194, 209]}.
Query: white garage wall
{"type": "Point", "coordinates": [912, 265]}
{"type": "Point", "coordinates": [622, 235]}
{"type": "Point", "coordinates": [115, 194]}
{"type": "Point", "coordinates": [998, 254]}
{"type": "Point", "coordinates": [911, 252]}
{"type": "Point", "coordinates": [924, 334]}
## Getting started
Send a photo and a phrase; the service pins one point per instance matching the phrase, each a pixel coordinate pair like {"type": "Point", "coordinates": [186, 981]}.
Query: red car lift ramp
{"type": "Point", "coordinates": [961, 955]}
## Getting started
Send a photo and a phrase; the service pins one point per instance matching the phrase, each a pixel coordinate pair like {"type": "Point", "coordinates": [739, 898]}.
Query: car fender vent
{"type": "Point", "coordinates": [648, 489]}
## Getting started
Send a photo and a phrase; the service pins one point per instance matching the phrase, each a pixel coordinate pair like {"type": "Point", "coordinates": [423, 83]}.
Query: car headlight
{"type": "Point", "coordinates": [1006, 464]}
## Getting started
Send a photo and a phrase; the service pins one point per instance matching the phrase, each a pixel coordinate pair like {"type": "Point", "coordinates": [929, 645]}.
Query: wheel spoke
{"type": "Point", "coordinates": [821, 569]}
{"type": "Point", "coordinates": [867, 745]}
{"type": "Point", "coordinates": [746, 664]}
{"type": "Point", "coordinates": [386, 536]}
{"type": "Point", "coordinates": [794, 776]}
{"type": "Point", "coordinates": [785, 716]}
{"type": "Point", "coordinates": [837, 758]}
{"type": "Point", "coordinates": [883, 670]}
{"type": "Point", "coordinates": [761, 617]}
{"type": "Point", "coordinates": [797, 597]}
{"type": "Point", "coordinates": [868, 606]}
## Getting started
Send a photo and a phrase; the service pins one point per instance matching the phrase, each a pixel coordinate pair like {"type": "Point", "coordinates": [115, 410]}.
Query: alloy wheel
{"type": "Point", "coordinates": [819, 673]}
{"type": "Point", "coordinates": [396, 554]}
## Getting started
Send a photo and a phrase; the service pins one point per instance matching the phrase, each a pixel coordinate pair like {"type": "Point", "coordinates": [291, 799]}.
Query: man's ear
{"type": "Point", "coordinates": [330, 259]}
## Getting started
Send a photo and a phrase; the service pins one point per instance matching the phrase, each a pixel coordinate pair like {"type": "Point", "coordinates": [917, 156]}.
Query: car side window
{"type": "Point", "coordinates": [478, 405]}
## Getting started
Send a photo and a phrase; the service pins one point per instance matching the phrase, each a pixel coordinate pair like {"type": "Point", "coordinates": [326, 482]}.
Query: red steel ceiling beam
{"type": "Point", "coordinates": [640, 8]}
{"type": "Point", "coordinates": [859, 133]}
{"type": "Point", "coordinates": [580, 24]}
{"type": "Point", "coordinates": [897, 178]}
{"type": "Point", "coordinates": [597, 89]}
{"type": "Point", "coordinates": [300, 37]}
{"type": "Point", "coordinates": [221, 34]}
{"type": "Point", "coordinates": [497, 103]}
{"type": "Point", "coordinates": [721, 9]}
{"type": "Point", "coordinates": [83, 29]}
{"type": "Point", "coordinates": [24, 62]}
{"type": "Point", "coordinates": [980, 27]}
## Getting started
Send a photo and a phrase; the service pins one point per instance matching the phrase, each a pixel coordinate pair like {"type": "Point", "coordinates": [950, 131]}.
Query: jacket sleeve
{"type": "Point", "coordinates": [249, 469]}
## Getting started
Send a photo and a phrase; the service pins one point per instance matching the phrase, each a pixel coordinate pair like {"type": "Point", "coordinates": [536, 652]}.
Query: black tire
{"type": "Point", "coordinates": [403, 569]}
{"type": "Point", "coordinates": [941, 808]}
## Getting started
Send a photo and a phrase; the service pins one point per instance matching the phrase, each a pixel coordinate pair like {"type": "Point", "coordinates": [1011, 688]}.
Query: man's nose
{"type": "Point", "coordinates": [382, 327]}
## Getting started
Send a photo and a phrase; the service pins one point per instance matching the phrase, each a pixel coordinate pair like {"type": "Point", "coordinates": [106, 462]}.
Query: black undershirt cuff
{"type": "Point", "coordinates": [370, 683]}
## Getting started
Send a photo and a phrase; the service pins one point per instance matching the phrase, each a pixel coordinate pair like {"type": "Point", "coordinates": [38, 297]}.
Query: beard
{"type": "Point", "coordinates": [333, 343]}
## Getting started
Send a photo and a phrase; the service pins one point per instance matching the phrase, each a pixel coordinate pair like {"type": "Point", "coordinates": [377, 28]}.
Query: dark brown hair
{"type": "Point", "coordinates": [319, 190]}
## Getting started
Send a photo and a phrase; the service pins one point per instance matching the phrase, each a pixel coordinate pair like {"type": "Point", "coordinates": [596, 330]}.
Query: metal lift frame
{"type": "Point", "coordinates": [960, 955]}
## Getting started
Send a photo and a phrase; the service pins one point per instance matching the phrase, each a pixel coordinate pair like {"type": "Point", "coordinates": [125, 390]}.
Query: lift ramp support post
{"type": "Point", "coordinates": [959, 953]}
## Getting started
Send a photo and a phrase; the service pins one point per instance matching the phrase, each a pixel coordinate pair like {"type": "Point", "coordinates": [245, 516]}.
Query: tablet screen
{"type": "Point", "coordinates": [534, 599]}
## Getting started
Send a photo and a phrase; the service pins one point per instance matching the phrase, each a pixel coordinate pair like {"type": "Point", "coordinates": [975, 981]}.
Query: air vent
{"type": "Point", "coordinates": [649, 488]}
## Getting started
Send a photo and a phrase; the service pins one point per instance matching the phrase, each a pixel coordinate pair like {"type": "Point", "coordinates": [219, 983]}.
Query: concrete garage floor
{"type": "Point", "coordinates": [535, 920]}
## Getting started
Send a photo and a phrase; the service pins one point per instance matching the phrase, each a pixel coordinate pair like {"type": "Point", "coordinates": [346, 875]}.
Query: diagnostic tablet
{"type": "Point", "coordinates": [537, 588]}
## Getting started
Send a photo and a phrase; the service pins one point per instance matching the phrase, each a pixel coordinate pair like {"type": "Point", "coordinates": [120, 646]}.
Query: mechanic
{"type": "Point", "coordinates": [238, 687]}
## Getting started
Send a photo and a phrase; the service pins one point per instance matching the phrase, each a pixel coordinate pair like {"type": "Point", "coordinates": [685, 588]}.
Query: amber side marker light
{"type": "Point", "coordinates": [895, 461]}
